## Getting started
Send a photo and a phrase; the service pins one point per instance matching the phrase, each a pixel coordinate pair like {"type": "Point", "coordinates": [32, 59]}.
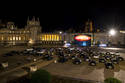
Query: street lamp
{"type": "Point", "coordinates": [60, 32]}
{"type": "Point", "coordinates": [112, 32]}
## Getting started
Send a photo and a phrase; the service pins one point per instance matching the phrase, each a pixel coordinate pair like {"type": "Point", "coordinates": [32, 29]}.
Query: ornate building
{"type": "Point", "coordinates": [30, 34]}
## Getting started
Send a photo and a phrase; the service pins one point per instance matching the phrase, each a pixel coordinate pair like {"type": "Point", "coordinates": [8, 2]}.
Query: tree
{"type": "Point", "coordinates": [112, 80]}
{"type": "Point", "coordinates": [40, 76]}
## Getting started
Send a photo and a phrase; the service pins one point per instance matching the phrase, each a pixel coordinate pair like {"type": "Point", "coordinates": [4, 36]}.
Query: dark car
{"type": "Point", "coordinates": [114, 61]}
{"type": "Point", "coordinates": [73, 57]}
{"type": "Point", "coordinates": [92, 63]}
{"type": "Point", "coordinates": [109, 65]}
{"type": "Point", "coordinates": [47, 57]}
{"type": "Point", "coordinates": [38, 54]}
{"type": "Point", "coordinates": [13, 52]}
{"type": "Point", "coordinates": [8, 54]}
{"type": "Point", "coordinates": [102, 54]}
{"type": "Point", "coordinates": [82, 55]}
{"type": "Point", "coordinates": [25, 52]}
{"type": "Point", "coordinates": [120, 58]}
{"type": "Point", "coordinates": [62, 59]}
{"type": "Point", "coordinates": [102, 60]}
{"type": "Point", "coordinates": [87, 58]}
{"type": "Point", "coordinates": [107, 57]}
{"type": "Point", "coordinates": [77, 61]}
{"type": "Point", "coordinates": [108, 53]}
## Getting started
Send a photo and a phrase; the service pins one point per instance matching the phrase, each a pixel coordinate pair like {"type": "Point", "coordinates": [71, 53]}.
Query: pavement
{"type": "Point", "coordinates": [82, 71]}
{"type": "Point", "coordinates": [114, 49]}
{"type": "Point", "coordinates": [19, 72]}
{"type": "Point", "coordinates": [85, 72]}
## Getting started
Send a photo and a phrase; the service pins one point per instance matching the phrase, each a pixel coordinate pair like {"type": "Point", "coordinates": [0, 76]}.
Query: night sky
{"type": "Point", "coordinates": [65, 15]}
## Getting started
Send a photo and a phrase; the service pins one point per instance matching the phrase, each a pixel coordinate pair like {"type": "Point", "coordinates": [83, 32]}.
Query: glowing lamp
{"type": "Point", "coordinates": [82, 38]}
{"type": "Point", "coordinates": [112, 32]}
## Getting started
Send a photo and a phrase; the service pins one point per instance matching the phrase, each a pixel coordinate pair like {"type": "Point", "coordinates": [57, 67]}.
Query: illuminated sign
{"type": "Point", "coordinates": [82, 38]}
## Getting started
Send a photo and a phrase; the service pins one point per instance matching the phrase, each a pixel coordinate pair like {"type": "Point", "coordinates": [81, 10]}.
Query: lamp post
{"type": "Point", "coordinates": [112, 32]}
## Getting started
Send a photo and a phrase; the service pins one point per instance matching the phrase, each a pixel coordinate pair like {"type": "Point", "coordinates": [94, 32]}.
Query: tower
{"type": "Point", "coordinates": [89, 26]}
{"type": "Point", "coordinates": [11, 26]}
{"type": "Point", "coordinates": [34, 27]}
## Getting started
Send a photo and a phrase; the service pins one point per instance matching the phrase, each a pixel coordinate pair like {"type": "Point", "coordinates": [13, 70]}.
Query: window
{"type": "Point", "coordinates": [16, 38]}
{"type": "Point", "coordinates": [2, 38]}
{"type": "Point", "coordinates": [19, 38]}
{"type": "Point", "coordinates": [10, 38]}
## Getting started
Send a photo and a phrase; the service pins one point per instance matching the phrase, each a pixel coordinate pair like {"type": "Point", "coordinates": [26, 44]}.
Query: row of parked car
{"type": "Point", "coordinates": [77, 55]}
{"type": "Point", "coordinates": [92, 56]}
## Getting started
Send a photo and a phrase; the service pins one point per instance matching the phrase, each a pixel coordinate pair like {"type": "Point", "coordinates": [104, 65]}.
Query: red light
{"type": "Point", "coordinates": [82, 38]}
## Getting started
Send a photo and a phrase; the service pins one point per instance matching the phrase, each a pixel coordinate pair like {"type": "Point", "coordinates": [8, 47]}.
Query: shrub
{"type": "Point", "coordinates": [112, 80]}
{"type": "Point", "coordinates": [40, 76]}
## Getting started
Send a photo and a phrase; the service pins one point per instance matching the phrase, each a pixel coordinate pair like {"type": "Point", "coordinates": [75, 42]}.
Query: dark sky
{"type": "Point", "coordinates": [65, 15]}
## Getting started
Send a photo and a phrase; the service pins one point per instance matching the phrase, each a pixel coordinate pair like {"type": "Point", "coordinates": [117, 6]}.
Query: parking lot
{"type": "Point", "coordinates": [82, 63]}
{"type": "Point", "coordinates": [87, 72]}
{"type": "Point", "coordinates": [15, 60]}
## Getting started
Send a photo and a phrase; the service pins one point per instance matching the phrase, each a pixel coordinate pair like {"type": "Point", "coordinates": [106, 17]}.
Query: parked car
{"type": "Point", "coordinates": [102, 54]}
{"type": "Point", "coordinates": [113, 55]}
{"type": "Point", "coordinates": [62, 59]}
{"type": "Point", "coordinates": [96, 56]}
{"type": "Point", "coordinates": [102, 60]}
{"type": "Point", "coordinates": [120, 58]}
{"type": "Point", "coordinates": [47, 57]}
{"type": "Point", "coordinates": [73, 56]}
{"type": "Point", "coordinates": [87, 58]}
{"type": "Point", "coordinates": [82, 55]}
{"type": "Point", "coordinates": [92, 63]}
{"type": "Point", "coordinates": [107, 57]}
{"type": "Point", "coordinates": [108, 53]}
{"type": "Point", "coordinates": [109, 65]}
{"type": "Point", "coordinates": [77, 61]}
{"type": "Point", "coordinates": [114, 61]}
{"type": "Point", "coordinates": [8, 54]}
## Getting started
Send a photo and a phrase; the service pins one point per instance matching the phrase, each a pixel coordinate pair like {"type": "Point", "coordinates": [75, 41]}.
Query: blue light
{"type": "Point", "coordinates": [84, 44]}
{"type": "Point", "coordinates": [67, 45]}
{"type": "Point", "coordinates": [102, 45]}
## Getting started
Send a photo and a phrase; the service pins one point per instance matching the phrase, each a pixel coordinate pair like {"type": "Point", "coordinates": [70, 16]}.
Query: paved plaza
{"type": "Point", "coordinates": [83, 71]}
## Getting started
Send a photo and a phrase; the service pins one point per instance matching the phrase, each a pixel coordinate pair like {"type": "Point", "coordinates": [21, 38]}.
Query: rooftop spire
{"type": "Point", "coordinates": [33, 18]}
{"type": "Point", "coordinates": [28, 18]}
{"type": "Point", "coordinates": [37, 19]}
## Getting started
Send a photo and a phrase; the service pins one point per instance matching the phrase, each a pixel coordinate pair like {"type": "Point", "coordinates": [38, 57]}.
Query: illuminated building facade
{"type": "Point", "coordinates": [31, 34]}
{"type": "Point", "coordinates": [100, 38]}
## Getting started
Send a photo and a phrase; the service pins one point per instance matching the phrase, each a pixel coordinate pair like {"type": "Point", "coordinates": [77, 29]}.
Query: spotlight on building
{"type": "Point", "coordinates": [31, 41]}
{"type": "Point", "coordinates": [112, 32]}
